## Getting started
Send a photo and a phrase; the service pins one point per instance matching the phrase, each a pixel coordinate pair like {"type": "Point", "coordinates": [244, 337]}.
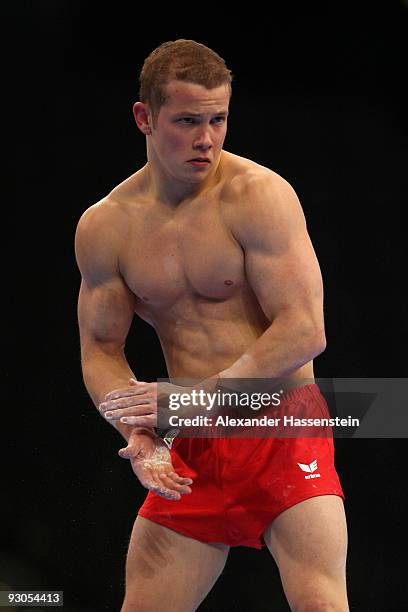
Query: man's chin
{"type": "Point", "coordinates": [195, 179]}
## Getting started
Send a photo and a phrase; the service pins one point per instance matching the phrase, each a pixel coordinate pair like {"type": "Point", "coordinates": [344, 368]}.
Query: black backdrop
{"type": "Point", "coordinates": [317, 98]}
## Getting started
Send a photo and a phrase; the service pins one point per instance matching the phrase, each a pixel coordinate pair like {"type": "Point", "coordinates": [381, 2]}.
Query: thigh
{"type": "Point", "coordinates": [167, 570]}
{"type": "Point", "coordinates": [309, 544]}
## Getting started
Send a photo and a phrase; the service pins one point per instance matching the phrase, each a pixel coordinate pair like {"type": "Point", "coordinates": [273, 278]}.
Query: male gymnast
{"type": "Point", "coordinates": [212, 250]}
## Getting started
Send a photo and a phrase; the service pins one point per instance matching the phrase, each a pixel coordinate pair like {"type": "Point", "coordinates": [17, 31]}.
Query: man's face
{"type": "Point", "coordinates": [191, 124]}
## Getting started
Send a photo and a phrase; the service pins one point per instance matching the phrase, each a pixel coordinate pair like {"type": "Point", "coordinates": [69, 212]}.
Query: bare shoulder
{"type": "Point", "coordinates": [260, 200]}
{"type": "Point", "coordinates": [101, 222]}
{"type": "Point", "coordinates": [111, 214]}
{"type": "Point", "coordinates": [252, 185]}
{"type": "Point", "coordinates": [107, 222]}
{"type": "Point", "coordinates": [113, 210]}
{"type": "Point", "coordinates": [97, 239]}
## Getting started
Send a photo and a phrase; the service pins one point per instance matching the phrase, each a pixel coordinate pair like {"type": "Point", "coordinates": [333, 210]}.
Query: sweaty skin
{"type": "Point", "coordinates": [183, 271]}
{"type": "Point", "coordinates": [215, 256]}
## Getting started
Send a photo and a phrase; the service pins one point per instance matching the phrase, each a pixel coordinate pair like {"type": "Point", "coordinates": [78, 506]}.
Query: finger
{"type": "Point", "coordinates": [171, 496]}
{"type": "Point", "coordinates": [161, 489]}
{"type": "Point", "coordinates": [170, 478]}
{"type": "Point", "coordinates": [169, 483]}
{"type": "Point", "coordinates": [128, 452]}
{"type": "Point", "coordinates": [126, 392]}
{"type": "Point", "coordinates": [133, 389]}
{"type": "Point", "coordinates": [180, 479]}
{"type": "Point", "coordinates": [149, 479]}
{"type": "Point", "coordinates": [137, 410]}
{"type": "Point", "coordinates": [133, 411]}
{"type": "Point", "coordinates": [180, 482]}
{"type": "Point", "coordinates": [141, 421]}
{"type": "Point", "coordinates": [118, 404]}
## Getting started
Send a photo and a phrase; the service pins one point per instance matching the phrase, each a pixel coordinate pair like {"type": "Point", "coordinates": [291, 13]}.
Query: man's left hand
{"type": "Point", "coordinates": [137, 404]}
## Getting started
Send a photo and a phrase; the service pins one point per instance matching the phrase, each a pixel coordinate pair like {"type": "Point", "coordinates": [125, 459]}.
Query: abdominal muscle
{"type": "Point", "coordinates": [201, 338]}
{"type": "Point", "coordinates": [195, 294]}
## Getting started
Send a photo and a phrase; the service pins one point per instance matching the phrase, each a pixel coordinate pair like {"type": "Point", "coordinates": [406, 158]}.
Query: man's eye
{"type": "Point", "coordinates": [193, 121]}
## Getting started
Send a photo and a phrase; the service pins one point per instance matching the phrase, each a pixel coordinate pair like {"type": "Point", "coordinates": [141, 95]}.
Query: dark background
{"type": "Point", "coordinates": [317, 97]}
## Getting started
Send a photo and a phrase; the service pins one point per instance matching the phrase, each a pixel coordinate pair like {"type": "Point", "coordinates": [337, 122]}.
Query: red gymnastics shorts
{"type": "Point", "coordinates": [240, 485]}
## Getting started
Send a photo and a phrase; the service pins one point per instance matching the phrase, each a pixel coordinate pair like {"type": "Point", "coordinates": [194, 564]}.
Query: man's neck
{"type": "Point", "coordinates": [172, 192]}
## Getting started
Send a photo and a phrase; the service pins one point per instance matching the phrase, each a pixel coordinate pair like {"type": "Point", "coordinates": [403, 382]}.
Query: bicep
{"type": "Point", "coordinates": [105, 313]}
{"type": "Point", "coordinates": [106, 305]}
{"type": "Point", "coordinates": [288, 282]}
{"type": "Point", "coordinates": [281, 264]}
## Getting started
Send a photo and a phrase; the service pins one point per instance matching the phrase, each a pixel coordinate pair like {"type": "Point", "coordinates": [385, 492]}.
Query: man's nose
{"type": "Point", "coordinates": [203, 139]}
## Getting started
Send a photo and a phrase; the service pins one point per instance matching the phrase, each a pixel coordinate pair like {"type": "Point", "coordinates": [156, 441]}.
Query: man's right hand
{"type": "Point", "coordinates": [151, 462]}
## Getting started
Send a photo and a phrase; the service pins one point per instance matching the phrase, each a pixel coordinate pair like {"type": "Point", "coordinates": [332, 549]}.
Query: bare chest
{"type": "Point", "coordinates": [167, 260]}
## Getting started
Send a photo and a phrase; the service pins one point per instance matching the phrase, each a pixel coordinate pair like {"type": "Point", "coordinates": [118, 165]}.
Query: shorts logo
{"type": "Point", "coordinates": [309, 467]}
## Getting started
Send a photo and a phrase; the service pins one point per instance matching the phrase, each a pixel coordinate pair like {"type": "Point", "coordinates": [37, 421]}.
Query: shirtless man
{"type": "Point", "coordinates": [212, 250]}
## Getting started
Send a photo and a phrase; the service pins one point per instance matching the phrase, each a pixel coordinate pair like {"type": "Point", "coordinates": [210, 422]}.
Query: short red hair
{"type": "Point", "coordinates": [183, 60]}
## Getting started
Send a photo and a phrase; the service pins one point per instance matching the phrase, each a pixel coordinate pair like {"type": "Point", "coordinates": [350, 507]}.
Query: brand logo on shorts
{"type": "Point", "coordinates": [309, 467]}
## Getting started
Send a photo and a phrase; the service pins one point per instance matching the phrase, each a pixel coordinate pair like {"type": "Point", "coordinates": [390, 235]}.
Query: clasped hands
{"type": "Point", "coordinates": [149, 456]}
{"type": "Point", "coordinates": [138, 403]}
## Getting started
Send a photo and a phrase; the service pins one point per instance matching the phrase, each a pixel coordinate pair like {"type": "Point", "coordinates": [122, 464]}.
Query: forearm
{"type": "Point", "coordinates": [102, 373]}
{"type": "Point", "coordinates": [283, 348]}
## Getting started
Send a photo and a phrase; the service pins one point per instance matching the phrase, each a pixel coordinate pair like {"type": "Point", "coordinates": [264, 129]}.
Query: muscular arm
{"type": "Point", "coordinates": [105, 306]}
{"type": "Point", "coordinates": [283, 271]}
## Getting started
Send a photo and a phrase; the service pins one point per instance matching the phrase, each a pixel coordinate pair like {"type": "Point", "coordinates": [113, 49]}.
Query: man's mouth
{"type": "Point", "coordinates": [199, 160]}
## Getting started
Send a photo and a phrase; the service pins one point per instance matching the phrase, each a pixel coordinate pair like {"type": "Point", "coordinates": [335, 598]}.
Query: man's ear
{"type": "Point", "coordinates": [142, 117]}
